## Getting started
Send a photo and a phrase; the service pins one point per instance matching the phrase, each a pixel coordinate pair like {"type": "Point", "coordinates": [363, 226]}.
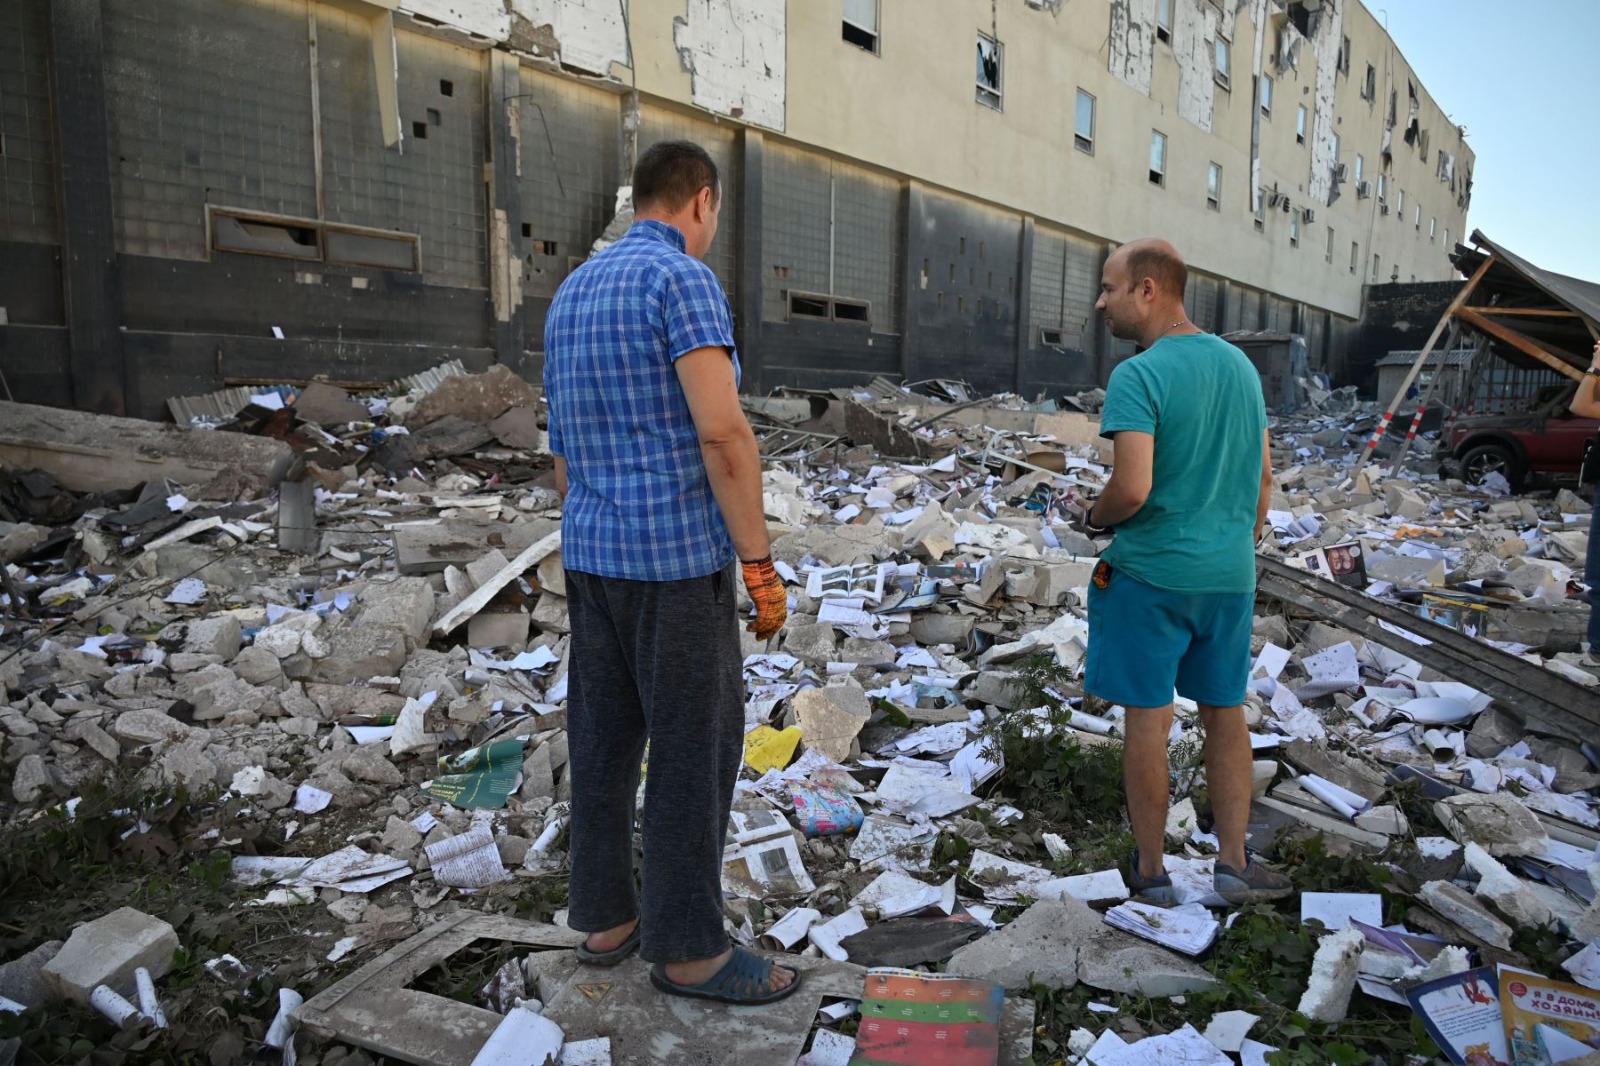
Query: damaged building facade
{"type": "Point", "coordinates": [195, 195]}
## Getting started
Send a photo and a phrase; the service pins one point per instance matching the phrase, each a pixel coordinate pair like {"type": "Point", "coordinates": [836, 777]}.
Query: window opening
{"type": "Point", "coordinates": [861, 24]}
{"type": "Point", "coordinates": [991, 59]}
{"type": "Point", "coordinates": [1083, 130]}
{"type": "Point", "coordinates": [1214, 187]}
{"type": "Point", "coordinates": [1158, 158]}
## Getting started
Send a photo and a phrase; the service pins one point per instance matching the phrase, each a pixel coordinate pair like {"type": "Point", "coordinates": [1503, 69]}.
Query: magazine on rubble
{"type": "Point", "coordinates": [909, 1016]}
{"type": "Point", "coordinates": [1547, 1021]}
{"type": "Point", "coordinates": [1462, 1014]}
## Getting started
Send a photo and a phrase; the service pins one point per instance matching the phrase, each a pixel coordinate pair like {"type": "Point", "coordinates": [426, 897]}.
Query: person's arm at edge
{"type": "Point", "coordinates": [1264, 501]}
{"type": "Point", "coordinates": [1133, 464]}
{"type": "Point", "coordinates": [561, 475]}
{"type": "Point", "coordinates": [728, 445]}
{"type": "Point", "coordinates": [1586, 400]}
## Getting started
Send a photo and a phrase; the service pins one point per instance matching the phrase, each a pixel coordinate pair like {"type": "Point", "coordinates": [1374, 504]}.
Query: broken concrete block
{"type": "Point", "coordinates": [403, 603]}
{"type": "Point", "coordinates": [31, 779]}
{"type": "Point", "coordinates": [1499, 822]}
{"type": "Point", "coordinates": [107, 950]}
{"type": "Point", "coordinates": [1402, 502]}
{"type": "Point", "coordinates": [519, 428]}
{"type": "Point", "coordinates": [360, 653]}
{"type": "Point", "coordinates": [995, 688]}
{"type": "Point", "coordinates": [217, 692]}
{"type": "Point", "coordinates": [400, 837]}
{"type": "Point", "coordinates": [1386, 819]}
{"type": "Point", "coordinates": [141, 727]}
{"type": "Point", "coordinates": [22, 979]}
{"type": "Point", "coordinates": [1407, 571]}
{"type": "Point", "coordinates": [497, 629]}
{"type": "Point", "coordinates": [1492, 732]}
{"type": "Point", "coordinates": [258, 666]}
{"type": "Point", "coordinates": [830, 717]}
{"type": "Point", "coordinates": [369, 763]}
{"type": "Point", "coordinates": [1116, 962]}
{"type": "Point", "coordinates": [187, 764]}
{"type": "Point", "coordinates": [1040, 946]}
{"type": "Point", "coordinates": [1333, 976]}
{"type": "Point", "coordinates": [1455, 905]}
{"type": "Point", "coordinates": [867, 652]}
{"type": "Point", "coordinates": [928, 627]}
{"type": "Point", "coordinates": [812, 641]}
{"type": "Point", "coordinates": [219, 635]}
{"type": "Point", "coordinates": [1181, 821]}
{"type": "Point", "coordinates": [284, 639]}
{"type": "Point", "coordinates": [475, 397]}
{"type": "Point", "coordinates": [1505, 891]}
{"type": "Point", "coordinates": [550, 614]}
{"type": "Point", "coordinates": [1053, 583]}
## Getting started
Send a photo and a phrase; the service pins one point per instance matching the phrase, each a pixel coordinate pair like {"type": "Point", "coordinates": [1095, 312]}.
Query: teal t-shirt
{"type": "Point", "coordinates": [1201, 399]}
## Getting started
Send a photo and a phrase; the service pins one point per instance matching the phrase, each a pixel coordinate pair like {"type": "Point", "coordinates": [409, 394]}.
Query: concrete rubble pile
{"type": "Point", "coordinates": [376, 638]}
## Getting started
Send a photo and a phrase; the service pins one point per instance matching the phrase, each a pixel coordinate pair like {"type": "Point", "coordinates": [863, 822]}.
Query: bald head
{"type": "Point", "coordinates": [1157, 260]}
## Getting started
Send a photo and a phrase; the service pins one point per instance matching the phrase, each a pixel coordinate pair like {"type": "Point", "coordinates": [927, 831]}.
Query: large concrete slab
{"type": "Point", "coordinates": [98, 453]}
{"type": "Point", "coordinates": [374, 1009]}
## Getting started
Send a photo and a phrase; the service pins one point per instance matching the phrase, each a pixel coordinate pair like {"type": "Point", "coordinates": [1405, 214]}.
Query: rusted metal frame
{"type": "Point", "coordinates": [1522, 344]}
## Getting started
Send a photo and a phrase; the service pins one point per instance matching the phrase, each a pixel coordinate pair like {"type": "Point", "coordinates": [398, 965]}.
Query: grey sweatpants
{"type": "Point", "coordinates": [657, 661]}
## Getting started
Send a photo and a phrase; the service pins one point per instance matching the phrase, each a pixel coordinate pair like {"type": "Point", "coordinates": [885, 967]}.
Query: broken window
{"type": "Point", "coordinates": [1369, 91]}
{"type": "Point", "coordinates": [447, 88]}
{"type": "Point", "coordinates": [1344, 57]}
{"type": "Point", "coordinates": [1083, 129]}
{"type": "Point", "coordinates": [1261, 209]}
{"type": "Point", "coordinates": [419, 130]}
{"type": "Point", "coordinates": [1214, 187]}
{"type": "Point", "coordinates": [1328, 256]}
{"type": "Point", "coordinates": [1294, 229]}
{"type": "Point", "coordinates": [264, 235]}
{"type": "Point", "coordinates": [1361, 168]}
{"type": "Point", "coordinates": [991, 56]}
{"type": "Point", "coordinates": [1400, 204]}
{"type": "Point", "coordinates": [1300, 125]}
{"type": "Point", "coordinates": [1355, 256]}
{"type": "Point", "coordinates": [1433, 228]}
{"type": "Point", "coordinates": [802, 305]}
{"type": "Point", "coordinates": [1222, 52]}
{"type": "Point", "coordinates": [1158, 158]}
{"type": "Point", "coordinates": [1164, 21]}
{"type": "Point", "coordinates": [1266, 95]}
{"type": "Point", "coordinates": [861, 24]}
{"type": "Point", "coordinates": [1375, 270]}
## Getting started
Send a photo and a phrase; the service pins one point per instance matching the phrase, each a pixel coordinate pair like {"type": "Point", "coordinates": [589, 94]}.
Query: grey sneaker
{"type": "Point", "coordinates": [1157, 891]}
{"type": "Point", "coordinates": [1254, 884]}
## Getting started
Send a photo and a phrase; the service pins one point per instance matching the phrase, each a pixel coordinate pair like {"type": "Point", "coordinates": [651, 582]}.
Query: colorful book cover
{"type": "Point", "coordinates": [929, 1019]}
{"type": "Point", "coordinates": [1545, 1020]}
{"type": "Point", "coordinates": [1462, 1013]}
{"type": "Point", "coordinates": [479, 777]}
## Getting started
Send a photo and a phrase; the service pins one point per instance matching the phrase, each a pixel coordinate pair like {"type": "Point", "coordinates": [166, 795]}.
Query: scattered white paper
{"type": "Point", "coordinates": [467, 860]}
{"type": "Point", "coordinates": [827, 935]}
{"type": "Point", "coordinates": [188, 592]}
{"type": "Point", "coordinates": [1189, 928]}
{"type": "Point", "coordinates": [309, 799]}
{"type": "Point", "coordinates": [1228, 1029]}
{"type": "Point", "coordinates": [829, 1048]}
{"type": "Point", "coordinates": [1186, 1047]}
{"type": "Point", "coordinates": [791, 928]}
{"type": "Point", "coordinates": [1335, 909]}
{"type": "Point", "coordinates": [596, 1052]}
{"type": "Point", "coordinates": [522, 1038]}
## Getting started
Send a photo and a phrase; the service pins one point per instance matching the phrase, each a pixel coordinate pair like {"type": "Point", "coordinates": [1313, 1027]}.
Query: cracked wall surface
{"type": "Point", "coordinates": [483, 18]}
{"type": "Point", "coordinates": [587, 35]}
{"type": "Point", "coordinates": [1133, 42]}
{"type": "Point", "coordinates": [1195, 27]}
{"type": "Point", "coordinates": [1326, 47]}
{"type": "Point", "coordinates": [734, 51]}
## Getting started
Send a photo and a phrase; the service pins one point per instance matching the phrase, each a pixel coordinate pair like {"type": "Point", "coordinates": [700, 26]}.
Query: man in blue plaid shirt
{"type": "Point", "coordinates": [662, 484]}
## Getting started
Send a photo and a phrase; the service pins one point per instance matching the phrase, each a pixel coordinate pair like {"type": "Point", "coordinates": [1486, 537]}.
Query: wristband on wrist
{"type": "Point", "coordinates": [757, 562]}
{"type": "Point", "coordinates": [1088, 523]}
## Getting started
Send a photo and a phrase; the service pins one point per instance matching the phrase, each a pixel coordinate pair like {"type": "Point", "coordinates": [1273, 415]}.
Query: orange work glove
{"type": "Point", "coordinates": [771, 598]}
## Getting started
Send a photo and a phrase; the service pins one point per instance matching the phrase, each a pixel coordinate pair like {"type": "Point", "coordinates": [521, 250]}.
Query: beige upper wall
{"type": "Point", "coordinates": [909, 109]}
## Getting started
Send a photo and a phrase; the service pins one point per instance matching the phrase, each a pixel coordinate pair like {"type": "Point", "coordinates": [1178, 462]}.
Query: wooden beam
{"type": "Point", "coordinates": [1519, 342]}
{"type": "Point", "coordinates": [1529, 311]}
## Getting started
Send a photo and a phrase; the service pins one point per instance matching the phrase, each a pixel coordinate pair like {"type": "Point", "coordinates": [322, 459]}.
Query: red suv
{"type": "Point", "coordinates": [1545, 438]}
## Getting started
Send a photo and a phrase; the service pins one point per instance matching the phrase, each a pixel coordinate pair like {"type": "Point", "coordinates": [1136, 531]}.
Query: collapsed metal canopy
{"type": "Point", "coordinates": [1518, 305]}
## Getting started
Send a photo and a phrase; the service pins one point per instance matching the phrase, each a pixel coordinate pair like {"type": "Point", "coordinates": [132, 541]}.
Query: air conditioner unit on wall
{"type": "Point", "coordinates": [1363, 189]}
{"type": "Point", "coordinates": [1339, 172]}
{"type": "Point", "coordinates": [1383, 209]}
{"type": "Point", "coordinates": [1286, 206]}
{"type": "Point", "coordinates": [1309, 215]}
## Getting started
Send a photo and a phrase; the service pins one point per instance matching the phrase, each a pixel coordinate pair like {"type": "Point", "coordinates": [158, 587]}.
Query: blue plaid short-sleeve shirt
{"type": "Point", "coordinates": [639, 505]}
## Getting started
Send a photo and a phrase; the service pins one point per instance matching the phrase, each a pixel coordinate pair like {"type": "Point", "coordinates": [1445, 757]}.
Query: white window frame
{"type": "Point", "coordinates": [1302, 124]}
{"type": "Point", "coordinates": [983, 94]}
{"type": "Point", "coordinates": [1157, 137]}
{"type": "Point", "coordinates": [873, 30]}
{"type": "Point", "coordinates": [1266, 96]}
{"type": "Point", "coordinates": [1214, 187]}
{"type": "Point", "coordinates": [1164, 28]}
{"type": "Point", "coordinates": [1083, 143]}
{"type": "Point", "coordinates": [1222, 60]}
{"type": "Point", "coordinates": [1294, 229]}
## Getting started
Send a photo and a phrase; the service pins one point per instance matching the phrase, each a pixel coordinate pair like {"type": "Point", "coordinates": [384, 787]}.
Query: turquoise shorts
{"type": "Point", "coordinates": [1144, 642]}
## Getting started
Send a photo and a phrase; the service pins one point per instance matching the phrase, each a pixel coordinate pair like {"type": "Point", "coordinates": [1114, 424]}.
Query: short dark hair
{"type": "Point", "coordinates": [1160, 266]}
{"type": "Point", "coordinates": [671, 173]}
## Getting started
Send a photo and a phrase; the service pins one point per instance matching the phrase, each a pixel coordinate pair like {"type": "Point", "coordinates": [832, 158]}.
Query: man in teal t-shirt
{"type": "Point", "coordinates": [1172, 598]}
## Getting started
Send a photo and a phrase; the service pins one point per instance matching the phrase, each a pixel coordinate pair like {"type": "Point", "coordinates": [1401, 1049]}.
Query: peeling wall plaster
{"type": "Point", "coordinates": [735, 52]}
{"type": "Point", "coordinates": [1133, 42]}
{"type": "Point", "coordinates": [485, 18]}
{"type": "Point", "coordinates": [1327, 45]}
{"type": "Point", "coordinates": [1195, 25]}
{"type": "Point", "coordinates": [589, 35]}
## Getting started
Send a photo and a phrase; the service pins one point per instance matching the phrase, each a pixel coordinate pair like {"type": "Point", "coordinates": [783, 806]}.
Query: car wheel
{"type": "Point", "coordinates": [1485, 459]}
